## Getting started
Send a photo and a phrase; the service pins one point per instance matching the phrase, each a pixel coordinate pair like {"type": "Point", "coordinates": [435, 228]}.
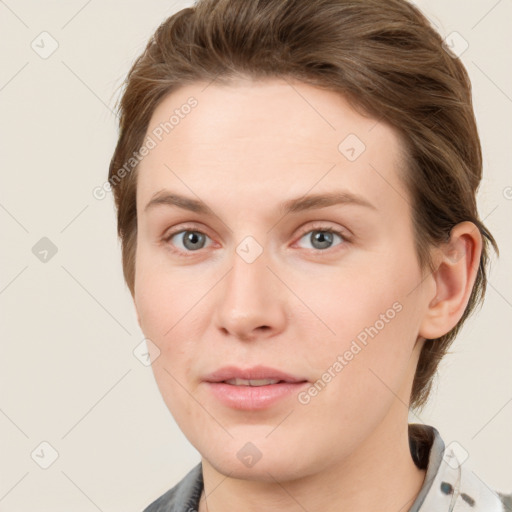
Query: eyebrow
{"type": "Point", "coordinates": [300, 204]}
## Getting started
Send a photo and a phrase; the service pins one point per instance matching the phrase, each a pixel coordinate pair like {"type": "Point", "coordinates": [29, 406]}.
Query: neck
{"type": "Point", "coordinates": [380, 476]}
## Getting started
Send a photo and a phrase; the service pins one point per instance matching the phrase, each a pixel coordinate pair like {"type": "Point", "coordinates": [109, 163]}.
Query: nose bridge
{"type": "Point", "coordinates": [250, 298]}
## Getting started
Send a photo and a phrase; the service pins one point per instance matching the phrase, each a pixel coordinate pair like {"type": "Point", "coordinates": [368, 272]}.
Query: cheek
{"type": "Point", "coordinates": [165, 304]}
{"type": "Point", "coordinates": [159, 294]}
{"type": "Point", "coordinates": [171, 305]}
{"type": "Point", "coordinates": [370, 319]}
{"type": "Point", "coordinates": [348, 300]}
{"type": "Point", "coordinates": [159, 302]}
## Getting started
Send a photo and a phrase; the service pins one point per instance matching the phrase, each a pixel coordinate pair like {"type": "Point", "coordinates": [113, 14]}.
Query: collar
{"type": "Point", "coordinates": [448, 486]}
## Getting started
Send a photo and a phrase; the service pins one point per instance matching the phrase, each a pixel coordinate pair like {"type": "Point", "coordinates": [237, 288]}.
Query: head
{"type": "Point", "coordinates": [274, 101]}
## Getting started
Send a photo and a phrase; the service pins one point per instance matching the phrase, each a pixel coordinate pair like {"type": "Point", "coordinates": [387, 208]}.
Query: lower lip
{"type": "Point", "coordinates": [253, 397]}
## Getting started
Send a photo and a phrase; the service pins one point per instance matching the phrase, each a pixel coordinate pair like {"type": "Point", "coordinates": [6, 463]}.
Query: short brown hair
{"type": "Point", "coordinates": [384, 57]}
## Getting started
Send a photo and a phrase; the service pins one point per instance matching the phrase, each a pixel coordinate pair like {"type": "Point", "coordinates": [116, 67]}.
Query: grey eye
{"type": "Point", "coordinates": [191, 240]}
{"type": "Point", "coordinates": [321, 238]}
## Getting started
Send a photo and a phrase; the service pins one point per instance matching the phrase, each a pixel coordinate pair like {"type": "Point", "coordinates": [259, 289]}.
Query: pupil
{"type": "Point", "coordinates": [323, 238]}
{"type": "Point", "coordinates": [193, 238]}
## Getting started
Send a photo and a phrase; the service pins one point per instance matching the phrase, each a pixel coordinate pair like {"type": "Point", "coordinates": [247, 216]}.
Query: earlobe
{"type": "Point", "coordinates": [456, 269]}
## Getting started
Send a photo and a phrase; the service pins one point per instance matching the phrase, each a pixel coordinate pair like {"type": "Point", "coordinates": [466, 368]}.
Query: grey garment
{"type": "Point", "coordinates": [184, 496]}
{"type": "Point", "coordinates": [447, 487]}
{"type": "Point", "coordinates": [507, 501]}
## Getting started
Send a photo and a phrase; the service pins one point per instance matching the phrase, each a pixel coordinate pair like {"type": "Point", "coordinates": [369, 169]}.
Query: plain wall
{"type": "Point", "coordinates": [68, 375]}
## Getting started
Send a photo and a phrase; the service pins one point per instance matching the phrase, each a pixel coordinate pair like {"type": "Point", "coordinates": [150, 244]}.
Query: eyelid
{"type": "Point", "coordinates": [324, 226]}
{"type": "Point", "coordinates": [168, 234]}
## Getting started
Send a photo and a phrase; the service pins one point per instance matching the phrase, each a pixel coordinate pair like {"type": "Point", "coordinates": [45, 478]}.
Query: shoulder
{"type": "Point", "coordinates": [183, 497]}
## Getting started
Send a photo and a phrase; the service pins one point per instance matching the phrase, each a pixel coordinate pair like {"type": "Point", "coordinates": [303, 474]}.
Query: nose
{"type": "Point", "coordinates": [251, 301]}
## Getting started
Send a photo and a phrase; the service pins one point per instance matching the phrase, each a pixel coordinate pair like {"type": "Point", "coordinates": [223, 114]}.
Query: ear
{"type": "Point", "coordinates": [457, 263]}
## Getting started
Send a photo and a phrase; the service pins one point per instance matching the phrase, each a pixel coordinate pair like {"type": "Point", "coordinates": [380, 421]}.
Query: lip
{"type": "Point", "coordinates": [252, 397]}
{"type": "Point", "coordinates": [256, 372]}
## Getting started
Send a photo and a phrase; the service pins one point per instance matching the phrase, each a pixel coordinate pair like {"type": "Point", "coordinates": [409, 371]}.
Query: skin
{"type": "Point", "coordinates": [243, 150]}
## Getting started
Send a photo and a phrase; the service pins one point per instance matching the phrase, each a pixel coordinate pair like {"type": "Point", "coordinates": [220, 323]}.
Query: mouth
{"type": "Point", "coordinates": [255, 376]}
{"type": "Point", "coordinates": [252, 382]}
{"type": "Point", "coordinates": [253, 388]}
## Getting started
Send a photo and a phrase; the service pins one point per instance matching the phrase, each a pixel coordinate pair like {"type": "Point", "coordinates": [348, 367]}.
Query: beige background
{"type": "Point", "coordinates": [68, 375]}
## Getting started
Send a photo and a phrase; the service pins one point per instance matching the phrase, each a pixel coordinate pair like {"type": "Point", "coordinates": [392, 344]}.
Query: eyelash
{"type": "Point", "coordinates": [322, 228]}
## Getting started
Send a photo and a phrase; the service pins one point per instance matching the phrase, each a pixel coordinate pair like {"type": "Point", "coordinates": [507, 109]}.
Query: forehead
{"type": "Point", "coordinates": [274, 137]}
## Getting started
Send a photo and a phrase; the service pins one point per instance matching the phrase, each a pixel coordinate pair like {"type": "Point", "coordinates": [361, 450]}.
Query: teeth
{"type": "Point", "coordinates": [252, 382]}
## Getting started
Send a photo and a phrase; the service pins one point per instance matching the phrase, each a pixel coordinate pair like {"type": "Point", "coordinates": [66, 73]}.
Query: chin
{"type": "Point", "coordinates": [269, 470]}
{"type": "Point", "coordinates": [261, 459]}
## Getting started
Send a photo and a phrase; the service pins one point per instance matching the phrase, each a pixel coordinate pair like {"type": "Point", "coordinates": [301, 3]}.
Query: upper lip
{"type": "Point", "coordinates": [256, 372]}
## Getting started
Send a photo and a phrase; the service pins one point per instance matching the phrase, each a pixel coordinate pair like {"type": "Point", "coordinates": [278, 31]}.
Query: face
{"type": "Point", "coordinates": [245, 270]}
